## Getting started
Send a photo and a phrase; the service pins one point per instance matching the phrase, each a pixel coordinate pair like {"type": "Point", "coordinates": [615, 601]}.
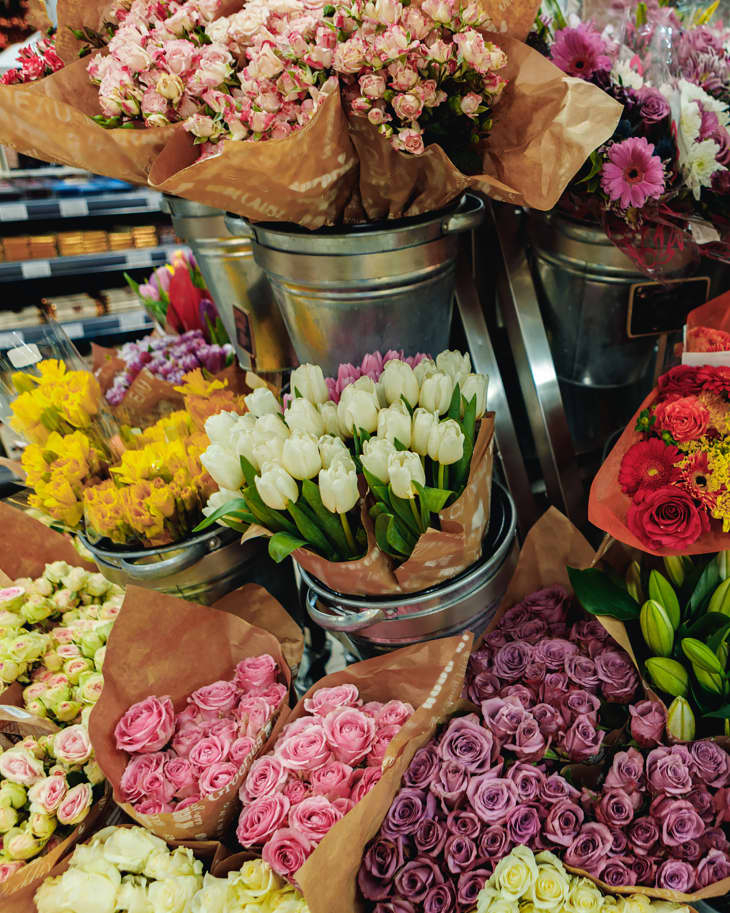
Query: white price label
{"type": "Point", "coordinates": [74, 330]}
{"type": "Point", "coordinates": [24, 355]}
{"type": "Point", "coordinates": [35, 269]}
{"type": "Point", "coordinates": [13, 212]}
{"type": "Point", "coordinates": [134, 320]}
{"type": "Point", "coordinates": [75, 207]}
{"type": "Point", "coordinates": [8, 340]}
{"type": "Point", "coordinates": [138, 258]}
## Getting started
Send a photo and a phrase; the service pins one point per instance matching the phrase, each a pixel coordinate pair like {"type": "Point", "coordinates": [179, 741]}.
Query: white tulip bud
{"type": "Point", "coordinates": [446, 443]}
{"type": "Point", "coordinates": [394, 423]}
{"type": "Point", "coordinates": [243, 443]}
{"type": "Point", "coordinates": [303, 416]}
{"type": "Point", "coordinates": [338, 488]}
{"type": "Point", "coordinates": [475, 385]}
{"type": "Point", "coordinates": [359, 409]}
{"type": "Point", "coordinates": [375, 455]}
{"type": "Point", "coordinates": [331, 448]}
{"type": "Point", "coordinates": [362, 383]}
{"type": "Point", "coordinates": [399, 380]}
{"type": "Point", "coordinates": [272, 425]}
{"type": "Point", "coordinates": [218, 499]}
{"type": "Point", "coordinates": [262, 402]}
{"type": "Point", "coordinates": [223, 466]}
{"type": "Point", "coordinates": [300, 455]}
{"type": "Point", "coordinates": [266, 450]}
{"type": "Point", "coordinates": [453, 363]}
{"type": "Point", "coordinates": [246, 422]}
{"type": "Point", "coordinates": [219, 427]}
{"type": "Point", "coordinates": [276, 487]}
{"type": "Point", "coordinates": [328, 411]}
{"type": "Point", "coordinates": [436, 393]}
{"type": "Point", "coordinates": [308, 381]}
{"type": "Point", "coordinates": [404, 469]}
{"type": "Point", "coordinates": [425, 368]}
{"type": "Point", "coordinates": [422, 424]}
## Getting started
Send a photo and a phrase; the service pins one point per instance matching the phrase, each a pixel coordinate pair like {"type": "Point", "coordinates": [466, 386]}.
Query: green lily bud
{"type": "Point", "coordinates": [708, 681]}
{"type": "Point", "coordinates": [723, 564]}
{"type": "Point", "coordinates": [661, 591]}
{"type": "Point", "coordinates": [656, 628]}
{"type": "Point", "coordinates": [701, 655]}
{"type": "Point", "coordinates": [633, 581]}
{"type": "Point", "coordinates": [674, 565]}
{"type": "Point", "coordinates": [680, 720]}
{"type": "Point", "coordinates": [668, 675]}
{"type": "Point", "coordinates": [720, 600]}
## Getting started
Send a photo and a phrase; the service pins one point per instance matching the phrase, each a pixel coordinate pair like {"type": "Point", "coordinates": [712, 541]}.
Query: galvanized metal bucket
{"type": "Point", "coordinates": [377, 286]}
{"type": "Point", "coordinates": [244, 298]}
{"type": "Point", "coordinates": [201, 569]}
{"type": "Point", "coordinates": [375, 624]}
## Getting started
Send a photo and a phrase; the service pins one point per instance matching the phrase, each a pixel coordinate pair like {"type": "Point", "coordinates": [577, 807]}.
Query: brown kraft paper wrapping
{"type": "Point", "coordinates": [430, 676]}
{"type": "Point", "coordinates": [27, 546]}
{"type": "Point", "coordinates": [161, 645]}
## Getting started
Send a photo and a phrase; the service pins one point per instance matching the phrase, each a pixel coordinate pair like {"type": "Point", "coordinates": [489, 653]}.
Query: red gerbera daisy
{"type": "Point", "coordinates": [649, 465]}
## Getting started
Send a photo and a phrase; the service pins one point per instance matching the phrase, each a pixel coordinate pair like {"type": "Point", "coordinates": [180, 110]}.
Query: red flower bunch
{"type": "Point", "coordinates": [36, 61]}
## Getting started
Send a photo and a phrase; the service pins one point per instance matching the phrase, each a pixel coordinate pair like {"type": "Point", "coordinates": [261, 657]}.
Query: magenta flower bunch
{"type": "Point", "coordinates": [371, 366]}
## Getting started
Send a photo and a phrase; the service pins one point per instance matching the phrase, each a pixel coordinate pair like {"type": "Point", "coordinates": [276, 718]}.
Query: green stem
{"type": "Point", "coordinates": [416, 514]}
{"type": "Point", "coordinates": [442, 471]}
{"type": "Point", "coordinates": [348, 532]}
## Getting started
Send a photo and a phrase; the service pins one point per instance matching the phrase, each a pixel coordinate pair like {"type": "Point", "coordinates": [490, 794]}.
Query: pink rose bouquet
{"type": "Point", "coordinates": [323, 763]}
{"type": "Point", "coordinates": [177, 759]}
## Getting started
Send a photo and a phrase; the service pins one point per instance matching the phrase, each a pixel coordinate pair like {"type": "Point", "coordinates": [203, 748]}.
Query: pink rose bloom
{"type": "Point", "coordinates": [260, 819]}
{"type": "Point", "coordinates": [220, 697]}
{"type": "Point", "coordinates": [272, 694]}
{"type": "Point", "coordinates": [286, 852]}
{"type": "Point", "coordinates": [72, 745]}
{"type": "Point", "coordinates": [647, 722]}
{"type": "Point", "coordinates": [139, 767]}
{"type": "Point", "coordinates": [191, 714]}
{"type": "Point", "coordinates": [408, 140]}
{"type": "Point", "coordinates": [240, 749]}
{"type": "Point", "coordinates": [68, 651]}
{"type": "Point", "coordinates": [47, 794]}
{"type": "Point", "coordinates": [19, 766]}
{"type": "Point", "coordinates": [157, 786]}
{"type": "Point", "coordinates": [407, 106]}
{"type": "Point", "coordinates": [615, 809]}
{"type": "Point", "coordinates": [394, 713]}
{"type": "Point", "coordinates": [75, 805]}
{"type": "Point", "coordinates": [343, 805]}
{"type": "Point", "coordinates": [266, 776]}
{"type": "Point", "coordinates": [186, 738]}
{"type": "Point", "coordinates": [380, 745]}
{"type": "Point", "coordinates": [332, 780]}
{"type": "Point", "coordinates": [187, 802]}
{"type": "Point", "coordinates": [210, 750]}
{"type": "Point", "coordinates": [179, 55]}
{"type": "Point", "coordinates": [326, 699]}
{"type": "Point", "coordinates": [225, 730]}
{"type": "Point", "coordinates": [256, 672]}
{"type": "Point", "coordinates": [216, 777]}
{"type": "Point", "coordinates": [313, 817]}
{"type": "Point", "coordinates": [253, 713]}
{"type": "Point", "coordinates": [295, 790]}
{"type": "Point", "coordinates": [372, 708]}
{"type": "Point", "coordinates": [305, 750]}
{"type": "Point", "coordinates": [181, 776]}
{"type": "Point", "coordinates": [154, 807]}
{"type": "Point", "coordinates": [300, 725]}
{"type": "Point", "coordinates": [349, 733]}
{"type": "Point", "coordinates": [147, 725]}
{"type": "Point", "coordinates": [362, 781]}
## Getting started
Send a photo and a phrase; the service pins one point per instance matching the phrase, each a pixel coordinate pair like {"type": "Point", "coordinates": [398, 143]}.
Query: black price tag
{"type": "Point", "coordinates": [662, 307]}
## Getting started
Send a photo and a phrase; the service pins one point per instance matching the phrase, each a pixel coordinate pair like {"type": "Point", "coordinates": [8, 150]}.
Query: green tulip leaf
{"type": "Point", "coordinates": [599, 595]}
{"type": "Point", "coordinates": [402, 509]}
{"type": "Point", "coordinates": [273, 520]}
{"type": "Point", "coordinates": [310, 531]}
{"type": "Point", "coordinates": [399, 445]}
{"type": "Point", "coordinates": [433, 498]}
{"type": "Point", "coordinates": [237, 506]}
{"type": "Point", "coordinates": [454, 410]}
{"type": "Point", "coordinates": [249, 473]}
{"type": "Point", "coordinates": [396, 539]}
{"type": "Point", "coordinates": [468, 426]}
{"type": "Point", "coordinates": [281, 545]}
{"type": "Point", "coordinates": [328, 521]}
{"type": "Point", "coordinates": [378, 488]}
{"type": "Point", "coordinates": [382, 521]}
{"type": "Point", "coordinates": [722, 713]}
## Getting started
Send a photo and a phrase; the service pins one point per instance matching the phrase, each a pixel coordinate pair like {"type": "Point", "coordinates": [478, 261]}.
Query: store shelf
{"type": "Point", "coordinates": [108, 204]}
{"type": "Point", "coordinates": [113, 261]}
{"type": "Point", "coordinates": [89, 328]}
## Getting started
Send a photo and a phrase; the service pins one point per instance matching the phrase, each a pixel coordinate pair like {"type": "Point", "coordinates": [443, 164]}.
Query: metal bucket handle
{"type": "Point", "coordinates": [157, 569]}
{"type": "Point", "coordinates": [465, 220]}
{"type": "Point", "coordinates": [341, 619]}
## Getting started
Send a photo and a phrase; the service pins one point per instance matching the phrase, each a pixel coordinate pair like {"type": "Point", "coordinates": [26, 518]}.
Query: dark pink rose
{"type": "Point", "coordinates": [627, 771]}
{"type": "Point", "coordinates": [349, 733]}
{"type": "Point", "coordinates": [528, 743]}
{"type": "Point", "coordinates": [668, 771]}
{"type": "Point", "coordinates": [179, 773]}
{"type": "Point", "coordinates": [186, 737]}
{"type": "Point", "coordinates": [220, 697]}
{"type": "Point", "coordinates": [582, 741]}
{"type": "Point", "coordinates": [295, 790]}
{"type": "Point", "coordinates": [548, 719]}
{"type": "Point", "coordinates": [643, 835]}
{"type": "Point", "coordinates": [528, 779]}
{"type": "Point", "coordinates": [483, 686]}
{"type": "Point", "coordinates": [618, 675]}
{"type": "Point", "coordinates": [210, 750]}
{"type": "Point", "coordinates": [675, 875]}
{"type": "Point", "coordinates": [394, 905]}
{"type": "Point", "coordinates": [465, 824]}
{"type": "Point", "coordinates": [240, 749]}
{"type": "Point", "coordinates": [580, 703]}
{"type": "Point", "coordinates": [494, 640]}
{"type": "Point", "coordinates": [680, 822]}
{"type": "Point", "coordinates": [305, 750]}
{"type": "Point", "coordinates": [266, 776]}
{"type": "Point", "coordinates": [617, 872]}
{"type": "Point", "coordinates": [644, 867]}
{"type": "Point", "coordinates": [494, 843]}
{"type": "Point", "coordinates": [362, 781]}
{"type": "Point", "coordinates": [524, 695]}
{"type": "Point", "coordinates": [408, 808]}
{"type": "Point", "coordinates": [554, 652]}
{"type": "Point", "coordinates": [154, 807]}
{"type": "Point", "coordinates": [326, 699]}
{"type": "Point", "coordinates": [511, 660]}
{"type": "Point", "coordinates": [381, 861]}
{"type": "Point", "coordinates": [492, 798]}
{"type": "Point", "coordinates": [416, 877]}
{"type": "Point", "coordinates": [714, 867]}
{"type": "Point", "coordinates": [689, 851]}
{"type": "Point", "coordinates": [261, 818]}
{"type": "Point", "coordinates": [131, 785]}
{"type": "Point", "coordinates": [186, 803]}
{"type": "Point", "coordinates": [503, 715]}
{"type": "Point", "coordinates": [343, 805]}
{"type": "Point", "coordinates": [469, 886]}
{"type": "Point", "coordinates": [648, 719]}
{"type": "Point", "coordinates": [590, 849]}
{"type": "Point", "coordinates": [314, 817]}
{"type": "Point", "coordinates": [582, 671]}
{"type": "Point", "coordinates": [523, 824]}
{"type": "Point", "coordinates": [551, 604]}
{"type": "Point", "coordinates": [460, 853]}
{"type": "Point", "coordinates": [147, 725]}
{"type": "Point", "coordinates": [331, 780]}
{"type": "Point", "coordinates": [286, 851]}
{"type": "Point", "coordinates": [430, 837]}
{"type": "Point", "coordinates": [620, 842]}
{"type": "Point", "coordinates": [563, 822]}
{"type": "Point", "coordinates": [256, 672]}
{"type": "Point", "coordinates": [714, 839]}
{"type": "Point", "coordinates": [711, 763]}
{"type": "Point", "coordinates": [556, 788]}
{"type": "Point", "coordinates": [439, 899]}
{"type": "Point", "coordinates": [394, 713]}
{"type": "Point", "coordinates": [467, 742]}
{"type": "Point", "coordinates": [423, 768]}
{"type": "Point", "coordinates": [615, 808]}
{"type": "Point", "coordinates": [217, 777]}
{"type": "Point", "coordinates": [554, 686]}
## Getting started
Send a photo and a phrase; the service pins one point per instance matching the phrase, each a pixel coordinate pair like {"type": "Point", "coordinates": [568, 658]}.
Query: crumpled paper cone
{"type": "Point", "coordinates": [162, 645]}
{"type": "Point", "coordinates": [27, 546]}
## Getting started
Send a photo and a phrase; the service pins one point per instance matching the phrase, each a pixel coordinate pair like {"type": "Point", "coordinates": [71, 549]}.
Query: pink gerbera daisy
{"type": "Point", "coordinates": [633, 174]}
{"type": "Point", "coordinates": [580, 51]}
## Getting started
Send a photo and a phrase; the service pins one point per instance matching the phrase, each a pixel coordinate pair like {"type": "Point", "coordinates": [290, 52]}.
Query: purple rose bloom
{"type": "Point", "coordinates": [429, 837]}
{"type": "Point", "coordinates": [533, 630]}
{"type": "Point", "coordinates": [714, 839]}
{"type": "Point", "coordinates": [620, 842]}
{"type": "Point", "coordinates": [494, 843]}
{"type": "Point", "coordinates": [467, 742]}
{"type": "Point", "coordinates": [554, 686]}
{"type": "Point", "coordinates": [703, 803]}
{"type": "Point", "coordinates": [469, 887]}
{"type": "Point", "coordinates": [643, 835]}
{"type": "Point", "coordinates": [615, 808]}
{"type": "Point", "coordinates": [407, 810]}
{"type": "Point", "coordinates": [617, 871]}
{"type": "Point", "coordinates": [416, 877]}
{"type": "Point", "coordinates": [492, 798]}
{"type": "Point", "coordinates": [450, 783]}
{"type": "Point", "coordinates": [460, 853]}
{"type": "Point", "coordinates": [483, 686]}
{"type": "Point", "coordinates": [711, 763]}
{"type": "Point", "coordinates": [675, 875]}
{"type": "Point", "coordinates": [556, 788]}
{"type": "Point", "coordinates": [619, 678]}
{"type": "Point", "coordinates": [423, 769]}
{"type": "Point", "coordinates": [381, 861]}
{"type": "Point", "coordinates": [523, 694]}
{"type": "Point", "coordinates": [535, 673]}
{"type": "Point", "coordinates": [714, 867]}
{"type": "Point", "coordinates": [680, 822]}
{"type": "Point", "coordinates": [689, 851]}
{"type": "Point", "coordinates": [548, 719]}
{"type": "Point", "coordinates": [581, 670]}
{"type": "Point", "coordinates": [440, 899]}
{"type": "Point", "coordinates": [465, 824]}
{"type": "Point", "coordinates": [394, 905]}
{"type": "Point", "coordinates": [495, 639]}
{"type": "Point", "coordinates": [588, 629]}
{"type": "Point", "coordinates": [503, 715]}
{"type": "Point", "coordinates": [523, 824]}
{"type": "Point", "coordinates": [590, 849]}
{"type": "Point", "coordinates": [554, 652]}
{"type": "Point", "coordinates": [668, 771]}
{"type": "Point", "coordinates": [528, 779]}
{"type": "Point", "coordinates": [550, 604]}
{"type": "Point", "coordinates": [644, 868]}
{"type": "Point", "coordinates": [528, 743]}
{"type": "Point", "coordinates": [648, 719]}
{"type": "Point", "coordinates": [582, 741]}
{"type": "Point", "coordinates": [580, 703]}
{"type": "Point", "coordinates": [627, 771]}
{"type": "Point", "coordinates": [514, 619]}
{"type": "Point", "coordinates": [479, 661]}
{"type": "Point", "coordinates": [511, 660]}
{"type": "Point", "coordinates": [653, 106]}
{"type": "Point", "coordinates": [563, 822]}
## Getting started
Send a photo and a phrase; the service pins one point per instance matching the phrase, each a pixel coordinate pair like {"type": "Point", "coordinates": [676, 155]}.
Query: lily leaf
{"type": "Point", "coordinates": [706, 586]}
{"type": "Point", "coordinates": [599, 595]}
